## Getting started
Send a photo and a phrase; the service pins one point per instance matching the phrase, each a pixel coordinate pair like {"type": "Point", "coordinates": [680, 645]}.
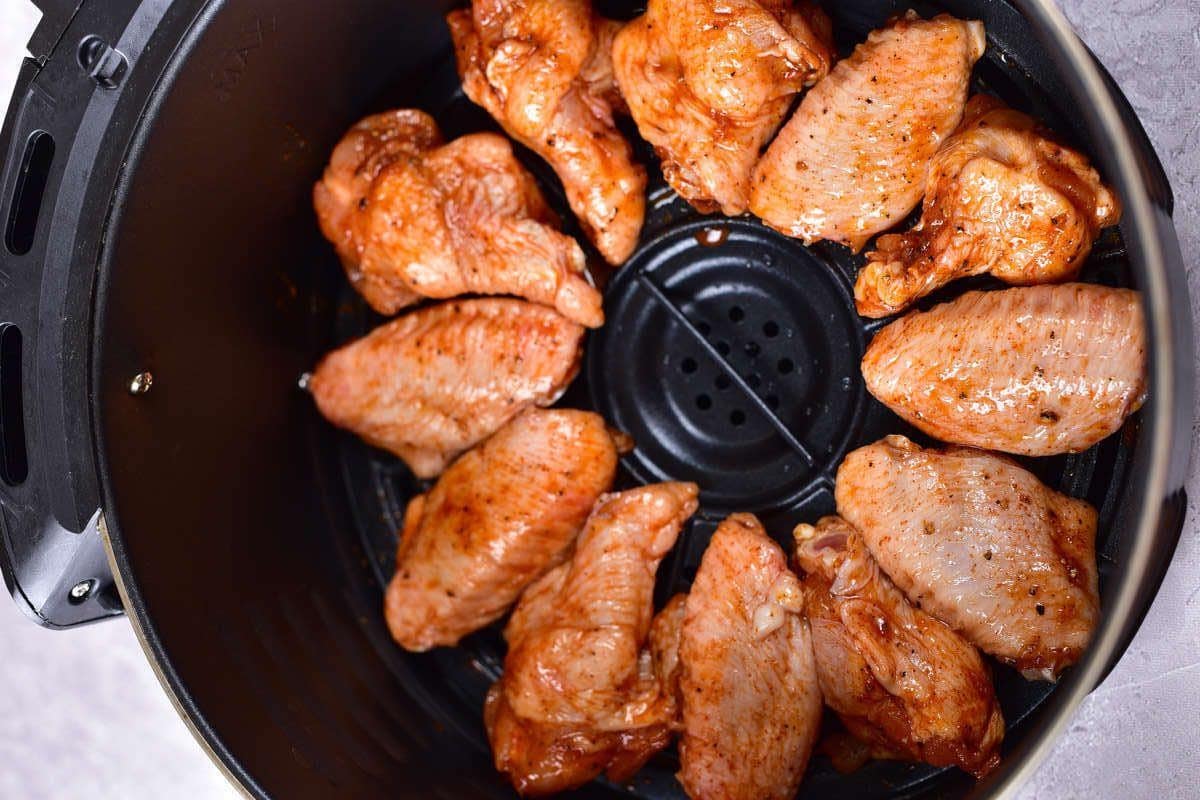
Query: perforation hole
{"type": "Point", "coordinates": [722, 382]}
{"type": "Point", "coordinates": [736, 314]}
{"type": "Point", "coordinates": [737, 418]}
{"type": "Point", "coordinates": [703, 402]}
{"type": "Point", "coordinates": [770, 329]}
{"type": "Point", "coordinates": [688, 366]}
{"type": "Point", "coordinates": [785, 366]}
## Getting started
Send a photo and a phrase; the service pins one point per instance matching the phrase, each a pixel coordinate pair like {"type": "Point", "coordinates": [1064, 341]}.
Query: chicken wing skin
{"type": "Point", "coordinates": [981, 544]}
{"type": "Point", "coordinates": [412, 217]}
{"type": "Point", "coordinates": [852, 160]}
{"type": "Point", "coordinates": [900, 680]}
{"type": "Point", "coordinates": [542, 69]}
{"type": "Point", "coordinates": [580, 694]}
{"type": "Point", "coordinates": [709, 83]}
{"type": "Point", "coordinates": [1002, 197]}
{"type": "Point", "coordinates": [751, 703]}
{"type": "Point", "coordinates": [435, 382]}
{"type": "Point", "coordinates": [1033, 371]}
{"type": "Point", "coordinates": [665, 633]}
{"type": "Point", "coordinates": [497, 519]}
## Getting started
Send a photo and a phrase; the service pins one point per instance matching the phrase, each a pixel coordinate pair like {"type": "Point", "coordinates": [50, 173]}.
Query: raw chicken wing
{"type": "Point", "coordinates": [708, 84]}
{"type": "Point", "coordinates": [665, 633]}
{"type": "Point", "coordinates": [852, 161]}
{"type": "Point", "coordinates": [414, 218]}
{"type": "Point", "coordinates": [437, 381]}
{"type": "Point", "coordinates": [901, 681]}
{"type": "Point", "coordinates": [543, 69]}
{"type": "Point", "coordinates": [497, 519]}
{"type": "Point", "coordinates": [981, 544]}
{"type": "Point", "coordinates": [751, 703]}
{"type": "Point", "coordinates": [1001, 197]}
{"type": "Point", "coordinates": [580, 694]}
{"type": "Point", "coordinates": [1034, 371]}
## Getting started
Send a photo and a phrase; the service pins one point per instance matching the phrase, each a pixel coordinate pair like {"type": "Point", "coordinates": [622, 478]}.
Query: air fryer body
{"type": "Point", "coordinates": [251, 542]}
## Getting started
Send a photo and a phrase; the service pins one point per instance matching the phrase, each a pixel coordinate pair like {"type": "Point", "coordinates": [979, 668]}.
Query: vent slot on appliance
{"type": "Point", "coordinates": [14, 463]}
{"type": "Point", "coordinates": [27, 196]}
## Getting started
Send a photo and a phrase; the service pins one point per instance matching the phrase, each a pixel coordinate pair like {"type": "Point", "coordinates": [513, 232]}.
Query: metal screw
{"type": "Point", "coordinates": [141, 383]}
{"type": "Point", "coordinates": [82, 590]}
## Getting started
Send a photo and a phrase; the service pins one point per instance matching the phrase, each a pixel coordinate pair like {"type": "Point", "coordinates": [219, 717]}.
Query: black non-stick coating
{"type": "Point", "coordinates": [281, 530]}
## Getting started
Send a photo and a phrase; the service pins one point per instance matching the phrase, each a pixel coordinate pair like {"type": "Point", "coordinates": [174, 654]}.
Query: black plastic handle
{"type": "Point", "coordinates": [52, 555]}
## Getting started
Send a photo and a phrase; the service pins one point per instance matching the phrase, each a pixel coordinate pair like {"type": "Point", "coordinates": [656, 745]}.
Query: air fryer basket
{"type": "Point", "coordinates": [250, 541]}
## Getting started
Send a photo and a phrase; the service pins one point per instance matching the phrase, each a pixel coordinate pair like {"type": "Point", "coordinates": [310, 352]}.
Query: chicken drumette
{"type": "Point", "coordinates": [412, 217]}
{"type": "Point", "coordinates": [1001, 197]}
{"type": "Point", "coordinates": [709, 83]}
{"type": "Point", "coordinates": [580, 694]}
{"type": "Point", "coordinates": [542, 69]}
{"type": "Point", "coordinates": [902, 682]}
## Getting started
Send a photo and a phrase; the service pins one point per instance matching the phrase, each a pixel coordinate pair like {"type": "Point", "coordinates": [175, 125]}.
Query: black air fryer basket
{"type": "Point", "coordinates": [163, 285]}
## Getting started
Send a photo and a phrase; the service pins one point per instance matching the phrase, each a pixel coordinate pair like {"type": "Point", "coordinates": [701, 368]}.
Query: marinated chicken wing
{"type": "Point", "coordinates": [665, 632]}
{"type": "Point", "coordinates": [1001, 197]}
{"type": "Point", "coordinates": [496, 520]}
{"type": "Point", "coordinates": [900, 680]}
{"type": "Point", "coordinates": [414, 218]}
{"type": "Point", "coordinates": [437, 381]}
{"type": "Point", "coordinates": [982, 545]}
{"type": "Point", "coordinates": [852, 160]}
{"type": "Point", "coordinates": [709, 83]}
{"type": "Point", "coordinates": [751, 703]}
{"type": "Point", "coordinates": [543, 69]}
{"type": "Point", "coordinates": [580, 695]}
{"type": "Point", "coordinates": [1034, 371]}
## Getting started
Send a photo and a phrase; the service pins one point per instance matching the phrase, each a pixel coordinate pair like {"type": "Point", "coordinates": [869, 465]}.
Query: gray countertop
{"type": "Point", "coordinates": [81, 714]}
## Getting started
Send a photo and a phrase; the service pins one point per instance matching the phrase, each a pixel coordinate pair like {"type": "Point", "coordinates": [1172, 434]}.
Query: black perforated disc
{"type": "Point", "coordinates": [730, 354]}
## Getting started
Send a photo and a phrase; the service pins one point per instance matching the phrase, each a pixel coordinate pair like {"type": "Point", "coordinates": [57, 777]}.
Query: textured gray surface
{"type": "Point", "coordinates": [81, 714]}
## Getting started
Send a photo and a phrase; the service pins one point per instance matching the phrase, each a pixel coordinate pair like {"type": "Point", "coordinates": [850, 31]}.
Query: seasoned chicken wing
{"type": "Point", "coordinates": [1001, 197]}
{"type": "Point", "coordinates": [1034, 371]}
{"type": "Point", "coordinates": [497, 519]}
{"type": "Point", "coordinates": [542, 68]}
{"type": "Point", "coordinates": [435, 382]}
{"type": "Point", "coordinates": [665, 632]}
{"type": "Point", "coordinates": [709, 83]}
{"type": "Point", "coordinates": [852, 160]}
{"type": "Point", "coordinates": [900, 680]}
{"type": "Point", "coordinates": [414, 218]}
{"type": "Point", "coordinates": [981, 544]}
{"type": "Point", "coordinates": [580, 694]}
{"type": "Point", "coordinates": [751, 703]}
